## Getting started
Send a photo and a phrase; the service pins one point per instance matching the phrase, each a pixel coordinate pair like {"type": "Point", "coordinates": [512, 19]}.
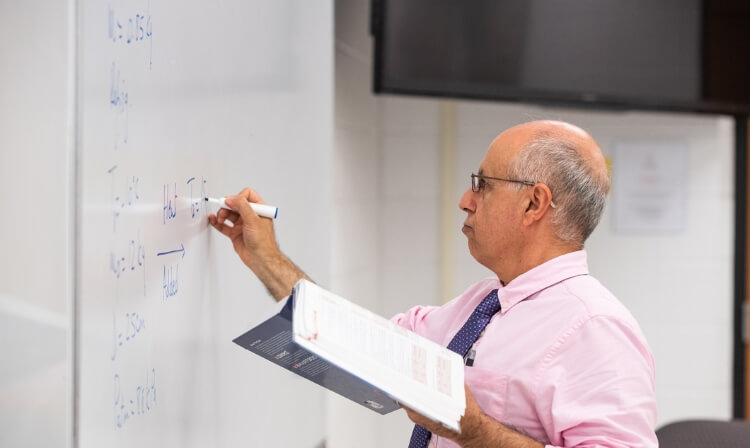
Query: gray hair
{"type": "Point", "coordinates": [579, 192]}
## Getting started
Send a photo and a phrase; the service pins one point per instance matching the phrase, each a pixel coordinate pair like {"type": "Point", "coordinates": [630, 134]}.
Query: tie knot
{"type": "Point", "coordinates": [490, 304]}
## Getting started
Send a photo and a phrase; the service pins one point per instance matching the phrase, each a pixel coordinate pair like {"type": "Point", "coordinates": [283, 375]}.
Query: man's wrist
{"type": "Point", "coordinates": [472, 436]}
{"type": "Point", "coordinates": [278, 274]}
{"type": "Point", "coordinates": [488, 432]}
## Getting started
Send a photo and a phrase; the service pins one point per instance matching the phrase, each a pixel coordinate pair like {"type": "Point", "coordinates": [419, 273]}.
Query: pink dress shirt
{"type": "Point", "coordinates": [563, 361]}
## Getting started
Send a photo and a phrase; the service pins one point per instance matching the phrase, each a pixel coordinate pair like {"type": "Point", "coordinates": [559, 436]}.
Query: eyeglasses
{"type": "Point", "coordinates": [478, 181]}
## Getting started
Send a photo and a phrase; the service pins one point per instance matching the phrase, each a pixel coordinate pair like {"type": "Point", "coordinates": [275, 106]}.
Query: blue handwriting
{"type": "Point", "coordinates": [170, 203]}
{"type": "Point", "coordinates": [131, 29]}
{"type": "Point", "coordinates": [119, 100]}
{"type": "Point", "coordinates": [139, 403]}
{"type": "Point", "coordinates": [133, 325]}
{"type": "Point", "coordinates": [196, 202]}
{"type": "Point", "coordinates": [123, 195]}
{"type": "Point", "coordinates": [130, 259]}
{"type": "Point", "coordinates": [181, 249]}
{"type": "Point", "coordinates": [170, 282]}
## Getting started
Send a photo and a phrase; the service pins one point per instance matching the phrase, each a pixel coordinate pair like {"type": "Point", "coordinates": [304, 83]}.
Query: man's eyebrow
{"type": "Point", "coordinates": [480, 172]}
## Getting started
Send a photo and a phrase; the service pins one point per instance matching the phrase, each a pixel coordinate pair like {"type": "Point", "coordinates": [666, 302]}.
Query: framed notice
{"type": "Point", "coordinates": [650, 186]}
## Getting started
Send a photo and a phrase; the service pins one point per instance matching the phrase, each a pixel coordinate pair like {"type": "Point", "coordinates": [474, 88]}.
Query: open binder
{"type": "Point", "coordinates": [360, 355]}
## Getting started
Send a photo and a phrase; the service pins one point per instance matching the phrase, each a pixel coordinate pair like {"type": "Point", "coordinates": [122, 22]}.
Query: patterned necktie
{"type": "Point", "coordinates": [461, 343]}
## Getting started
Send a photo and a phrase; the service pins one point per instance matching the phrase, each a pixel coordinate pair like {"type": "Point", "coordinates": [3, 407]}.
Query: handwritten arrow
{"type": "Point", "coordinates": [181, 249]}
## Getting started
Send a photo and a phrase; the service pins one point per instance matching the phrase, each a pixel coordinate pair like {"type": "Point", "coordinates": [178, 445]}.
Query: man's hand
{"type": "Point", "coordinates": [478, 430]}
{"type": "Point", "coordinates": [254, 241]}
{"type": "Point", "coordinates": [252, 236]}
{"type": "Point", "coordinates": [470, 422]}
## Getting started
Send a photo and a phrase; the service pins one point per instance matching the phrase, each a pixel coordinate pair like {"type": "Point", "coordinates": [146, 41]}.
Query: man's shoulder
{"type": "Point", "coordinates": [586, 297]}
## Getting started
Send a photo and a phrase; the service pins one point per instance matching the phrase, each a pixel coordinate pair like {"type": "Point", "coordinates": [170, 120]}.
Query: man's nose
{"type": "Point", "coordinates": [467, 202]}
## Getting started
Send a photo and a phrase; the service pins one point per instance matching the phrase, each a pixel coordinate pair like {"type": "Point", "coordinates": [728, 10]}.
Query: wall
{"type": "Point", "coordinates": [357, 173]}
{"type": "Point", "coordinates": [34, 315]}
{"type": "Point", "coordinates": [387, 245]}
{"type": "Point", "coordinates": [386, 188]}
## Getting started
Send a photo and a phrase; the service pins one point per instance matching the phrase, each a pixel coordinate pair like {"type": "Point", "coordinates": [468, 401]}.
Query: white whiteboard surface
{"type": "Point", "coordinates": [180, 100]}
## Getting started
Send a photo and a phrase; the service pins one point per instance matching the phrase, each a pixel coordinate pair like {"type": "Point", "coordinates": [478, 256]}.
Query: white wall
{"type": "Point", "coordinates": [357, 173]}
{"type": "Point", "coordinates": [33, 267]}
{"type": "Point", "coordinates": [387, 217]}
{"type": "Point", "coordinates": [385, 201]}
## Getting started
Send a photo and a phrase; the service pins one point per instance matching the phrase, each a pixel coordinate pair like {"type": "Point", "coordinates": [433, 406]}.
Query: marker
{"type": "Point", "coordinates": [268, 211]}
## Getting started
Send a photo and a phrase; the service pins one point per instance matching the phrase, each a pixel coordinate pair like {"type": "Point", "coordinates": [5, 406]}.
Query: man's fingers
{"type": "Point", "coordinates": [227, 215]}
{"type": "Point", "coordinates": [416, 417]}
{"type": "Point", "coordinates": [222, 228]}
{"type": "Point", "coordinates": [241, 205]}
{"type": "Point", "coordinates": [229, 221]}
{"type": "Point", "coordinates": [251, 195]}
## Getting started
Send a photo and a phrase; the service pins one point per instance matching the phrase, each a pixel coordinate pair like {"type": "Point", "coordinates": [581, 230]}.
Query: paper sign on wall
{"type": "Point", "coordinates": [650, 187]}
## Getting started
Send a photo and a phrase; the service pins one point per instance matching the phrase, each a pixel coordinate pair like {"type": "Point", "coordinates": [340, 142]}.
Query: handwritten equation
{"type": "Point", "coordinates": [125, 330]}
{"type": "Point", "coordinates": [124, 193]}
{"type": "Point", "coordinates": [130, 258]}
{"type": "Point", "coordinates": [135, 401]}
{"type": "Point", "coordinates": [196, 202]}
{"type": "Point", "coordinates": [131, 29]}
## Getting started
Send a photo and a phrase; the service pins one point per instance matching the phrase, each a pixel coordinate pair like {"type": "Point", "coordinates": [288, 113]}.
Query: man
{"type": "Point", "coordinates": [558, 361]}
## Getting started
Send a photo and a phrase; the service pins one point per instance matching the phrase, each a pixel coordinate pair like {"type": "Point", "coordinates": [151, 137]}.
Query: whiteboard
{"type": "Point", "coordinates": [179, 100]}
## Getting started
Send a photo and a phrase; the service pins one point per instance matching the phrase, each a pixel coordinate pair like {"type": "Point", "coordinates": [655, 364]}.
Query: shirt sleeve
{"type": "Point", "coordinates": [413, 319]}
{"type": "Point", "coordinates": [596, 388]}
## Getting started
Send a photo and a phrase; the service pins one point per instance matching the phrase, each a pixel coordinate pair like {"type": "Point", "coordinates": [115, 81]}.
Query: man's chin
{"type": "Point", "coordinates": [470, 246]}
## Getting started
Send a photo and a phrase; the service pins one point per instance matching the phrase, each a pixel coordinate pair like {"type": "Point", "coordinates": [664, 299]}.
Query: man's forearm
{"type": "Point", "coordinates": [491, 433]}
{"type": "Point", "coordinates": [279, 275]}
{"type": "Point", "coordinates": [478, 430]}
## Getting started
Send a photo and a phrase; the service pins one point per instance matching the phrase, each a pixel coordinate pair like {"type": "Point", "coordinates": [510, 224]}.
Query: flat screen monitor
{"type": "Point", "coordinates": [691, 55]}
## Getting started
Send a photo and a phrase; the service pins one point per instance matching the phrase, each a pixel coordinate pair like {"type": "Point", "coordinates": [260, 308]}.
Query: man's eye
{"type": "Point", "coordinates": [481, 183]}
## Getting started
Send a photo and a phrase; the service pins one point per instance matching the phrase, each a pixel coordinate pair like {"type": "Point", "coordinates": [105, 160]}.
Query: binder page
{"type": "Point", "coordinates": [415, 371]}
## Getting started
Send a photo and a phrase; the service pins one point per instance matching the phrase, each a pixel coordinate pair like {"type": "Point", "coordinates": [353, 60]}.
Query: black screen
{"type": "Point", "coordinates": [656, 54]}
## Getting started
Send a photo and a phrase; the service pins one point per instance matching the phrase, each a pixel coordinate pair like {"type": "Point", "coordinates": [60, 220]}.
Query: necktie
{"type": "Point", "coordinates": [460, 344]}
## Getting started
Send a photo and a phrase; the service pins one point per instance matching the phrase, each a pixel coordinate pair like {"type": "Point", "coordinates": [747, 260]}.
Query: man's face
{"type": "Point", "coordinates": [494, 213]}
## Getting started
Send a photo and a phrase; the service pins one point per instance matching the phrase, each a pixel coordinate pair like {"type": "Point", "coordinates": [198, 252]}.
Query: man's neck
{"type": "Point", "coordinates": [533, 257]}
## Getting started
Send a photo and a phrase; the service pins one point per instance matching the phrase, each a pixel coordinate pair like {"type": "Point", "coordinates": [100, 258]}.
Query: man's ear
{"type": "Point", "coordinates": [539, 202]}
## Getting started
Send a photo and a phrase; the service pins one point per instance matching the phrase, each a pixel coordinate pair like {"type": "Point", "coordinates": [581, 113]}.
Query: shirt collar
{"type": "Point", "coordinates": [541, 277]}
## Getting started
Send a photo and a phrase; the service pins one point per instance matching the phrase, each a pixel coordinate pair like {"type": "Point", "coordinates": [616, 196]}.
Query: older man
{"type": "Point", "coordinates": [553, 358]}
